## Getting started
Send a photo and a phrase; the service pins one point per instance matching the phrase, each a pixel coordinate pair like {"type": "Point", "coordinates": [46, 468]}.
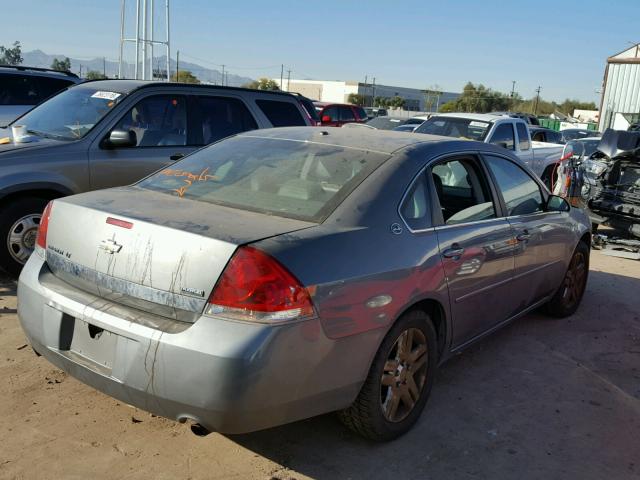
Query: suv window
{"type": "Point", "coordinates": [414, 208]}
{"type": "Point", "coordinates": [520, 192]}
{"type": "Point", "coordinates": [158, 120]}
{"type": "Point", "coordinates": [462, 191]}
{"type": "Point", "coordinates": [332, 112]}
{"type": "Point", "coordinates": [523, 136]}
{"type": "Point", "coordinates": [51, 86]}
{"type": "Point", "coordinates": [346, 114]}
{"type": "Point", "coordinates": [18, 90]}
{"type": "Point", "coordinates": [221, 117]}
{"type": "Point", "coordinates": [503, 136]}
{"type": "Point", "coordinates": [281, 114]}
{"type": "Point", "coordinates": [361, 113]}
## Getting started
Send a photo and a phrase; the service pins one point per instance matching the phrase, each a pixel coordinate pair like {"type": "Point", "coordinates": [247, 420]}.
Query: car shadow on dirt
{"type": "Point", "coordinates": [526, 402]}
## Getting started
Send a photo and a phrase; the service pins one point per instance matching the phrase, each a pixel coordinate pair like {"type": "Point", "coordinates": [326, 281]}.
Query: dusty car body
{"type": "Point", "coordinates": [282, 274]}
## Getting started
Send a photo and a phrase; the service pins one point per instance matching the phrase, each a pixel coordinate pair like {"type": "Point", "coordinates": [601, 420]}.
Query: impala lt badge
{"type": "Point", "coordinates": [110, 246]}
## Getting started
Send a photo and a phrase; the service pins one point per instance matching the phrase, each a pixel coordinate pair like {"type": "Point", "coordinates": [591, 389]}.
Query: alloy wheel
{"type": "Point", "coordinates": [404, 375]}
{"type": "Point", "coordinates": [575, 279]}
{"type": "Point", "coordinates": [22, 237]}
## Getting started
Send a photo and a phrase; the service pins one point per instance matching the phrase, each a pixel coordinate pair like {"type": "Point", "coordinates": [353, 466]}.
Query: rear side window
{"type": "Point", "coordinates": [503, 136]}
{"type": "Point", "coordinates": [221, 117]}
{"type": "Point", "coordinates": [361, 113]}
{"type": "Point", "coordinates": [523, 137]}
{"type": "Point", "coordinates": [415, 208]}
{"type": "Point", "coordinates": [520, 192]}
{"type": "Point", "coordinates": [18, 90]}
{"type": "Point", "coordinates": [51, 86]}
{"type": "Point", "coordinates": [331, 112]}
{"type": "Point", "coordinates": [272, 176]}
{"type": "Point", "coordinates": [346, 114]}
{"type": "Point", "coordinates": [281, 114]}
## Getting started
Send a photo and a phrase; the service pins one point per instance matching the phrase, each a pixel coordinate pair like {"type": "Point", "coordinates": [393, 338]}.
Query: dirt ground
{"type": "Point", "coordinates": [541, 399]}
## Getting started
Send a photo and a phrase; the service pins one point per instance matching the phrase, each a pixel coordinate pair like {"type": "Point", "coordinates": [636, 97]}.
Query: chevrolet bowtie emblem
{"type": "Point", "coordinates": [110, 246]}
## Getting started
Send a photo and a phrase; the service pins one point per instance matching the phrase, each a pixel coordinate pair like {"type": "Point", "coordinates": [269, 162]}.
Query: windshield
{"type": "Point", "coordinates": [286, 178]}
{"type": "Point", "coordinates": [464, 128]}
{"type": "Point", "coordinates": [385, 123]}
{"type": "Point", "coordinates": [71, 114]}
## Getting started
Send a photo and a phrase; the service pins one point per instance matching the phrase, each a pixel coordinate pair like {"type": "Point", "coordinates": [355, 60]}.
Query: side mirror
{"type": "Point", "coordinates": [557, 204]}
{"type": "Point", "coordinates": [326, 119]}
{"type": "Point", "coordinates": [121, 138]}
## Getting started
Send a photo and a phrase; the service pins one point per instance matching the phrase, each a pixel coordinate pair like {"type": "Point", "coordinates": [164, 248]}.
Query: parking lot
{"type": "Point", "coordinates": [543, 398]}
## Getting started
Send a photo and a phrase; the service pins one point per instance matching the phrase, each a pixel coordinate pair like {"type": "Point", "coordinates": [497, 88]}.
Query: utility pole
{"type": "Point", "coordinates": [365, 90]}
{"type": "Point", "coordinates": [104, 67]}
{"type": "Point", "coordinates": [222, 79]}
{"type": "Point", "coordinates": [226, 79]}
{"type": "Point", "coordinates": [177, 65]}
{"type": "Point", "coordinates": [80, 74]}
{"type": "Point", "coordinates": [288, 79]}
{"type": "Point", "coordinates": [535, 108]}
{"type": "Point", "coordinates": [281, 75]}
{"type": "Point", "coordinates": [373, 91]}
{"type": "Point", "coordinates": [513, 91]}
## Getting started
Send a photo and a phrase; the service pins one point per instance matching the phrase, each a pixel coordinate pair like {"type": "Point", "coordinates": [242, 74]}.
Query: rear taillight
{"type": "Point", "coordinates": [256, 287]}
{"type": "Point", "coordinates": [41, 241]}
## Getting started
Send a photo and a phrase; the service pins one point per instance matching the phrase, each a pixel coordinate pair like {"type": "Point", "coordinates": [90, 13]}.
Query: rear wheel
{"type": "Point", "coordinates": [399, 381]}
{"type": "Point", "coordinates": [567, 299]}
{"type": "Point", "coordinates": [19, 221]}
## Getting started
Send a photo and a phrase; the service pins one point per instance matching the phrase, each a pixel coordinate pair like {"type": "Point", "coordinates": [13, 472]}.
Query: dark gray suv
{"type": "Point", "coordinates": [114, 132]}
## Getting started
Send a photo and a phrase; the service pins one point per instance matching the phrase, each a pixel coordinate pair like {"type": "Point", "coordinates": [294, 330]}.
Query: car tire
{"type": "Point", "coordinates": [567, 299]}
{"type": "Point", "coordinates": [19, 221]}
{"type": "Point", "coordinates": [382, 410]}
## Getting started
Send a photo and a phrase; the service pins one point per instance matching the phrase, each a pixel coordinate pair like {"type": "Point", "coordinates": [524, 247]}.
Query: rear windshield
{"type": "Point", "coordinates": [293, 179]}
{"type": "Point", "coordinates": [464, 128]}
{"type": "Point", "coordinates": [385, 123]}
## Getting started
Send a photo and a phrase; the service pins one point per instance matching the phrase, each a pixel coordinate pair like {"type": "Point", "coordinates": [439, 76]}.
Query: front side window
{"type": "Point", "coordinates": [278, 177]}
{"type": "Point", "coordinates": [503, 136]}
{"type": "Point", "coordinates": [157, 121]}
{"type": "Point", "coordinates": [361, 113]}
{"type": "Point", "coordinates": [521, 193]}
{"type": "Point", "coordinates": [70, 114]}
{"type": "Point", "coordinates": [331, 112]}
{"type": "Point", "coordinates": [281, 114]}
{"type": "Point", "coordinates": [523, 137]}
{"type": "Point", "coordinates": [346, 114]}
{"type": "Point", "coordinates": [462, 191]}
{"type": "Point", "coordinates": [221, 117]}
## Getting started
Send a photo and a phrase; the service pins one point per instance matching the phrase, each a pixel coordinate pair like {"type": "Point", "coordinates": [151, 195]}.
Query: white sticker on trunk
{"type": "Point", "coordinates": [106, 95]}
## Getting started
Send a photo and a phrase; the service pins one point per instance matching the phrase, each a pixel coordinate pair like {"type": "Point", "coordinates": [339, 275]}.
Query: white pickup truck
{"type": "Point", "coordinates": [509, 132]}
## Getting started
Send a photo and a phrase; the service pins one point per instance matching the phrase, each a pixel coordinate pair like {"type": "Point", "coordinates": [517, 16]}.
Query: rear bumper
{"type": "Point", "coordinates": [230, 377]}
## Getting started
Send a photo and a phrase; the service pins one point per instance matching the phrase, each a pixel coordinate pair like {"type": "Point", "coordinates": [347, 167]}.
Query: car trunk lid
{"type": "Point", "coordinates": [150, 250]}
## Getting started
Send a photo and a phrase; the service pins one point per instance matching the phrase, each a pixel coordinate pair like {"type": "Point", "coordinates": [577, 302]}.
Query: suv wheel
{"type": "Point", "coordinates": [399, 381]}
{"type": "Point", "coordinates": [19, 221]}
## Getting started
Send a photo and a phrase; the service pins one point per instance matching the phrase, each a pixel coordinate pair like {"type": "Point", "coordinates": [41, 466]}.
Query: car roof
{"type": "Point", "coordinates": [127, 86]}
{"type": "Point", "coordinates": [482, 117]}
{"type": "Point", "coordinates": [326, 104]}
{"type": "Point", "coordinates": [368, 139]}
{"type": "Point", "coordinates": [39, 72]}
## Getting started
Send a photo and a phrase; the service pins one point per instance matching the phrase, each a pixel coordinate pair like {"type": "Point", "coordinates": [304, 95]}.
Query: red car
{"type": "Point", "coordinates": [337, 114]}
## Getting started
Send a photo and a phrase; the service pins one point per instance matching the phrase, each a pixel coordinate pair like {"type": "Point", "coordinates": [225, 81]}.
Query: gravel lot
{"type": "Point", "coordinates": [543, 398]}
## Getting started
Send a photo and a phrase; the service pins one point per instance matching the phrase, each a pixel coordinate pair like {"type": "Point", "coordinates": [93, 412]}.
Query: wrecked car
{"type": "Point", "coordinates": [613, 177]}
{"type": "Point", "coordinates": [286, 273]}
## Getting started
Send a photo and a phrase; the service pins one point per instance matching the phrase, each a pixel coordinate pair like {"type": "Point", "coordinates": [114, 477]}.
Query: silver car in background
{"type": "Point", "coordinates": [286, 273]}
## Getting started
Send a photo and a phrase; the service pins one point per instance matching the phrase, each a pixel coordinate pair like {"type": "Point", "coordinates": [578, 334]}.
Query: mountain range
{"type": "Point", "coordinates": [38, 58]}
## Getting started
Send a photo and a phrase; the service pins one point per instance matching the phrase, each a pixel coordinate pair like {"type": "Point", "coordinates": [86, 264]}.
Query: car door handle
{"type": "Point", "coordinates": [176, 156]}
{"type": "Point", "coordinates": [524, 236]}
{"type": "Point", "coordinates": [454, 252]}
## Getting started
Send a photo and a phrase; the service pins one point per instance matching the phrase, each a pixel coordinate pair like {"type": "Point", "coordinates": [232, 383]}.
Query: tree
{"type": "Point", "coordinates": [262, 84]}
{"type": "Point", "coordinates": [381, 102]}
{"type": "Point", "coordinates": [397, 102]}
{"type": "Point", "coordinates": [61, 65]}
{"type": "Point", "coordinates": [11, 56]}
{"type": "Point", "coordinates": [478, 99]}
{"type": "Point", "coordinates": [356, 99]}
{"type": "Point", "coordinates": [184, 76]}
{"type": "Point", "coordinates": [95, 75]}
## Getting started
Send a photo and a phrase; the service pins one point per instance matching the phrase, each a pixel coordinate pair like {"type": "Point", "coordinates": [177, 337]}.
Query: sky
{"type": "Point", "coordinates": [559, 45]}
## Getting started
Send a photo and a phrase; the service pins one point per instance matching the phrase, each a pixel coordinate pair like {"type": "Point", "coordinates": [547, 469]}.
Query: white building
{"type": "Point", "coordinates": [339, 91]}
{"type": "Point", "coordinates": [620, 104]}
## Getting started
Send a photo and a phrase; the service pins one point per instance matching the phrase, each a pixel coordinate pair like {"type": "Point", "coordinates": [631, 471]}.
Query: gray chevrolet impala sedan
{"type": "Point", "coordinates": [286, 273]}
